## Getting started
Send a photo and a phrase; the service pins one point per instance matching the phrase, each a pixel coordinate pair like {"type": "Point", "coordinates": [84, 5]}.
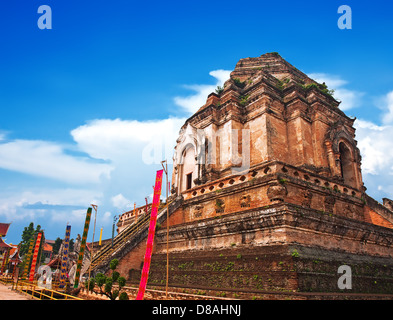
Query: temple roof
{"type": "Point", "coordinates": [269, 68]}
{"type": "Point", "coordinates": [55, 263]}
{"type": "Point", "coordinates": [271, 63]}
{"type": "Point", "coordinates": [47, 247]}
{"type": "Point", "coordinates": [3, 244]}
{"type": "Point", "coordinates": [4, 229]}
{"type": "Point", "coordinates": [14, 254]}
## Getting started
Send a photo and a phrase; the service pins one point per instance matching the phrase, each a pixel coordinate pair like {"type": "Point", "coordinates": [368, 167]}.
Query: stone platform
{"type": "Point", "coordinates": [283, 248]}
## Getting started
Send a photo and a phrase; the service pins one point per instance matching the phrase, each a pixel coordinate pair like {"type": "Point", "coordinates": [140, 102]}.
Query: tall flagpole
{"type": "Point", "coordinates": [113, 228]}
{"type": "Point", "coordinates": [35, 255]}
{"type": "Point", "coordinates": [150, 236]}
{"type": "Point", "coordinates": [167, 228]}
{"type": "Point", "coordinates": [82, 248]}
{"type": "Point", "coordinates": [92, 245]}
{"type": "Point", "coordinates": [28, 258]}
{"type": "Point", "coordinates": [64, 257]}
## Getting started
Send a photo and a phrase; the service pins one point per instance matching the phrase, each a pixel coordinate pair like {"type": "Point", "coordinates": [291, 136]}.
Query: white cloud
{"type": "Point", "coordinates": [120, 202]}
{"type": "Point", "coordinates": [135, 149]}
{"type": "Point", "coordinates": [53, 208]}
{"type": "Point", "coordinates": [221, 75]}
{"type": "Point", "coordinates": [119, 140]}
{"type": "Point", "coordinates": [388, 101]}
{"type": "Point", "coordinates": [193, 102]}
{"type": "Point", "coordinates": [47, 159]}
{"type": "Point", "coordinates": [107, 215]}
{"type": "Point", "coordinates": [54, 204]}
{"type": "Point", "coordinates": [113, 140]}
{"type": "Point", "coordinates": [116, 157]}
{"type": "Point", "coordinates": [375, 145]}
{"type": "Point", "coordinates": [349, 98]}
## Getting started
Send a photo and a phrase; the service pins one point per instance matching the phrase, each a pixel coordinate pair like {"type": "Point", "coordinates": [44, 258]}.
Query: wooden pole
{"type": "Point", "coordinates": [92, 246]}
{"type": "Point", "coordinates": [167, 228]}
{"type": "Point", "coordinates": [147, 204]}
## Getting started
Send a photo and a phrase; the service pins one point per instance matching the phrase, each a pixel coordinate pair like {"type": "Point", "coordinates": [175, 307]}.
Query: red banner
{"type": "Point", "coordinates": [150, 236]}
{"type": "Point", "coordinates": [35, 254]}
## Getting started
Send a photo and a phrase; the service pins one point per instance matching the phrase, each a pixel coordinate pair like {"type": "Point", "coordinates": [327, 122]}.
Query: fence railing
{"type": "Point", "coordinates": [40, 293]}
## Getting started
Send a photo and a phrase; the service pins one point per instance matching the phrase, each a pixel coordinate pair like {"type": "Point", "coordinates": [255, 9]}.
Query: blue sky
{"type": "Point", "coordinates": [80, 103]}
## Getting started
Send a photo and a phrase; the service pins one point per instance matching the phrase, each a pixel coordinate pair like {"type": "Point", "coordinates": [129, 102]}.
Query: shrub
{"type": "Point", "coordinates": [320, 87]}
{"type": "Point", "coordinates": [243, 100]}
{"type": "Point", "coordinates": [219, 90]}
{"type": "Point", "coordinates": [239, 83]}
{"type": "Point", "coordinates": [105, 283]}
{"type": "Point", "coordinates": [295, 254]}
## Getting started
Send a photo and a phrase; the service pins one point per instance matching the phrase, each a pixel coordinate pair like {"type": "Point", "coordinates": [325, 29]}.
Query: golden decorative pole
{"type": "Point", "coordinates": [99, 243]}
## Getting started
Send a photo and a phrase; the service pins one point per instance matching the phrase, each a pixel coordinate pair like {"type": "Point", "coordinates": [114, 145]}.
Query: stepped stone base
{"type": "Point", "coordinates": [270, 269]}
{"type": "Point", "coordinates": [283, 248]}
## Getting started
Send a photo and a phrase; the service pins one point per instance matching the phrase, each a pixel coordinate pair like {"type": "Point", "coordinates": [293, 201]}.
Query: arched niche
{"type": "Point", "coordinates": [188, 168]}
{"type": "Point", "coordinates": [347, 164]}
{"type": "Point", "coordinates": [191, 152]}
{"type": "Point", "coordinates": [343, 155]}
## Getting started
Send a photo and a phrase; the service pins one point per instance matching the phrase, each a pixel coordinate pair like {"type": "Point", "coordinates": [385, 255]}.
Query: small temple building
{"type": "Point", "coordinates": [129, 217]}
{"type": "Point", "coordinates": [6, 250]}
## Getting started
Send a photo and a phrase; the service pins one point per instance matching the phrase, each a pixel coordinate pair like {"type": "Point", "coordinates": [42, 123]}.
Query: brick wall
{"type": "Point", "coordinates": [372, 217]}
{"type": "Point", "coordinates": [133, 261]}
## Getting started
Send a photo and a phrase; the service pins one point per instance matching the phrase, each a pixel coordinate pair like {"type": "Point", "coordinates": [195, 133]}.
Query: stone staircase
{"type": "Point", "coordinates": [129, 238]}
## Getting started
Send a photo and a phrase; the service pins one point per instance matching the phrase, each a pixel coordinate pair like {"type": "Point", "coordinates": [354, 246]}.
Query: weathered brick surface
{"type": "Point", "coordinates": [283, 248]}
{"type": "Point", "coordinates": [132, 261]}
{"type": "Point", "coordinates": [290, 118]}
{"type": "Point", "coordinates": [289, 220]}
{"type": "Point", "coordinates": [279, 224]}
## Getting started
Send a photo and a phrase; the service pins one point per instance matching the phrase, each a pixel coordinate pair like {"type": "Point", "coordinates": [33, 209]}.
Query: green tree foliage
{"type": "Point", "coordinates": [56, 246]}
{"type": "Point", "coordinates": [219, 90]}
{"type": "Point", "coordinates": [321, 87]}
{"type": "Point", "coordinates": [105, 284]}
{"type": "Point", "coordinates": [238, 83]}
{"type": "Point", "coordinates": [71, 248]}
{"type": "Point", "coordinates": [27, 234]}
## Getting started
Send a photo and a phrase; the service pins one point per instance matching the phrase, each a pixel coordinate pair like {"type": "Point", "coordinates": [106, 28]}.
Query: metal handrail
{"type": "Point", "coordinates": [120, 241]}
{"type": "Point", "coordinates": [6, 279]}
{"type": "Point", "coordinates": [24, 286]}
{"type": "Point", "coordinates": [120, 236]}
{"type": "Point", "coordinates": [106, 251]}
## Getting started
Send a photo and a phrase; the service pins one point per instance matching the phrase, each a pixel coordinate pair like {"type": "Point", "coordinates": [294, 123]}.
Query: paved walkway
{"type": "Point", "coordinates": [7, 294]}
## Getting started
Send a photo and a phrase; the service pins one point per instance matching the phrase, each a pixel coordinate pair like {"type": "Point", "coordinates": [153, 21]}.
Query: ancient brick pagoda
{"type": "Point", "coordinates": [268, 195]}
